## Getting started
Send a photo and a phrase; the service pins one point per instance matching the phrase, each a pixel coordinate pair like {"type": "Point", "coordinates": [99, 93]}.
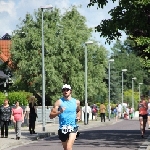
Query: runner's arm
{"type": "Point", "coordinates": [54, 112]}
{"type": "Point", "coordinates": [78, 110]}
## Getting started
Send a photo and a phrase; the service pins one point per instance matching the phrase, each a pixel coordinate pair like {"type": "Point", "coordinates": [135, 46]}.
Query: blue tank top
{"type": "Point", "coordinates": [68, 117]}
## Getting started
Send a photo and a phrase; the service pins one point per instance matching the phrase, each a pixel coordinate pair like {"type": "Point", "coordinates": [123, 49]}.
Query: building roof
{"type": "Point", "coordinates": [5, 44]}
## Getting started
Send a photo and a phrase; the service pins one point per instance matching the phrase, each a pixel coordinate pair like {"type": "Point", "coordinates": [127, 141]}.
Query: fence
{"type": "Point", "coordinates": [47, 119]}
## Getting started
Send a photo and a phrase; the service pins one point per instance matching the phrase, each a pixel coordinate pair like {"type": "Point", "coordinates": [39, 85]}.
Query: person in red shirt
{"type": "Point", "coordinates": [142, 106]}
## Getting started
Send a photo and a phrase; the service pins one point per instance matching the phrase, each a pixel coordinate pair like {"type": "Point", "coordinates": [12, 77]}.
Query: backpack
{"type": "Point", "coordinates": [94, 110]}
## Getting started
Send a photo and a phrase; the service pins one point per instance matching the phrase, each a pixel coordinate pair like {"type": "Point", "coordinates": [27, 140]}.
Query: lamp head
{"type": "Point", "coordinates": [124, 70]}
{"type": "Point", "coordinates": [88, 42]}
{"type": "Point", "coordinates": [46, 7]}
{"type": "Point", "coordinates": [140, 83]}
{"type": "Point", "coordinates": [111, 60]}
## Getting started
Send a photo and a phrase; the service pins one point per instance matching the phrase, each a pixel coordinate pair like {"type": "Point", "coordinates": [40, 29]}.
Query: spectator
{"type": "Point", "coordinates": [5, 116]}
{"type": "Point", "coordinates": [32, 114]}
{"type": "Point", "coordinates": [102, 112]}
{"type": "Point", "coordinates": [88, 112]}
{"type": "Point", "coordinates": [131, 111]}
{"type": "Point", "coordinates": [112, 112]}
{"type": "Point", "coordinates": [26, 114]}
{"type": "Point", "coordinates": [18, 119]}
{"type": "Point", "coordinates": [120, 111]}
{"type": "Point", "coordinates": [94, 111]}
{"type": "Point", "coordinates": [116, 113]}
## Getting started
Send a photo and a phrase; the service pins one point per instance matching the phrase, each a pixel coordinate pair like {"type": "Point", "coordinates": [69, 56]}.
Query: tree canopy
{"type": "Point", "coordinates": [64, 38]}
{"type": "Point", "coordinates": [132, 17]}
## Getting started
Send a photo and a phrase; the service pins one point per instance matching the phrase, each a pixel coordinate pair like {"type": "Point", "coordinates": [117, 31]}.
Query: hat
{"type": "Point", "coordinates": [66, 86]}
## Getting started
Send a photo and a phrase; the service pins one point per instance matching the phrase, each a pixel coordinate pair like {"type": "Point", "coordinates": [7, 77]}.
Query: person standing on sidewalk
{"type": "Point", "coordinates": [88, 113]}
{"type": "Point", "coordinates": [18, 119]}
{"type": "Point", "coordinates": [116, 113]}
{"type": "Point", "coordinates": [5, 117]}
{"type": "Point", "coordinates": [68, 111]}
{"type": "Point", "coordinates": [94, 111]}
{"type": "Point", "coordinates": [102, 111]}
{"type": "Point", "coordinates": [32, 114]}
{"type": "Point", "coordinates": [131, 111]}
{"type": "Point", "coordinates": [148, 113]}
{"type": "Point", "coordinates": [142, 115]}
{"type": "Point", "coordinates": [26, 114]}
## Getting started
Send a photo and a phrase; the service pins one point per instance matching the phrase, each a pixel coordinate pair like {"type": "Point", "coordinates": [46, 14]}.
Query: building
{"type": "Point", "coordinates": [5, 44]}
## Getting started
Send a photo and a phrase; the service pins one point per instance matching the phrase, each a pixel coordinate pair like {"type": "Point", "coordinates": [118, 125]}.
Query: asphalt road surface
{"type": "Point", "coordinates": [124, 135]}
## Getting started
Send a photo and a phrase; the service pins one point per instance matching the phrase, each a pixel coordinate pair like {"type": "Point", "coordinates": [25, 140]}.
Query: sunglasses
{"type": "Point", "coordinates": [66, 89]}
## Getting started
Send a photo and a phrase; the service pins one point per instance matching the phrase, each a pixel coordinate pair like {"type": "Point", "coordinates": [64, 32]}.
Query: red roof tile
{"type": "Point", "coordinates": [5, 50]}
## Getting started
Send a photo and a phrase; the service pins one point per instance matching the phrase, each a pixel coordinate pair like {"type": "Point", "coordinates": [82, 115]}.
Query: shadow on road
{"type": "Point", "coordinates": [121, 136]}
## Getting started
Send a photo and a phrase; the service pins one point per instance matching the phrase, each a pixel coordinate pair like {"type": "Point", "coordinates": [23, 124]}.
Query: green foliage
{"type": "Point", "coordinates": [128, 98]}
{"type": "Point", "coordinates": [2, 98]}
{"type": "Point", "coordinates": [64, 38]}
{"type": "Point", "coordinates": [124, 58]}
{"type": "Point", "coordinates": [20, 96]}
{"type": "Point", "coordinates": [133, 18]}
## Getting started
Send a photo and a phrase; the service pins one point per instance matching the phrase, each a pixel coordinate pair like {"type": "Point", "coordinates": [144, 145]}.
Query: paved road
{"type": "Point", "coordinates": [124, 135]}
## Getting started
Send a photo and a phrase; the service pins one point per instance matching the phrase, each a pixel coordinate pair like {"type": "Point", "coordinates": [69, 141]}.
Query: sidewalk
{"type": "Point", "coordinates": [51, 129]}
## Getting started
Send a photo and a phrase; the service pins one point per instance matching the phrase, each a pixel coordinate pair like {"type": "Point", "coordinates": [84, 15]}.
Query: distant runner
{"type": "Point", "coordinates": [142, 115]}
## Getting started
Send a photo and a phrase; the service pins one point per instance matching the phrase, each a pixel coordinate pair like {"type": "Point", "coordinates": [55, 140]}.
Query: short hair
{"type": "Point", "coordinates": [6, 100]}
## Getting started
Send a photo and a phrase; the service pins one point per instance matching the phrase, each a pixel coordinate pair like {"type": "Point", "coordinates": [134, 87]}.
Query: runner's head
{"type": "Point", "coordinates": [66, 89]}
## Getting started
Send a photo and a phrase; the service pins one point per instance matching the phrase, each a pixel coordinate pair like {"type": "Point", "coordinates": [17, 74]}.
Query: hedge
{"type": "Point", "coordinates": [19, 96]}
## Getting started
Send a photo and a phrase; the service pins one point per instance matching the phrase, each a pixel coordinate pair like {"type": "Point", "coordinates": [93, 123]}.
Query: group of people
{"type": "Point", "coordinates": [16, 115]}
{"type": "Point", "coordinates": [93, 110]}
{"type": "Point", "coordinates": [68, 110]}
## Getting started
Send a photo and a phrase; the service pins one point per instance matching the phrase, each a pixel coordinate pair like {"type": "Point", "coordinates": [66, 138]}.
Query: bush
{"type": "Point", "coordinates": [19, 96]}
{"type": "Point", "coordinates": [2, 98]}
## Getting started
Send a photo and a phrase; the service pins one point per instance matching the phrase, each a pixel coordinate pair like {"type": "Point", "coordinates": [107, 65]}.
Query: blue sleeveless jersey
{"type": "Point", "coordinates": [68, 117]}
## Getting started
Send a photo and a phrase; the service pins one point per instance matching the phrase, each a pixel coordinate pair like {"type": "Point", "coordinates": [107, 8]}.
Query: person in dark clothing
{"type": "Point", "coordinates": [32, 115]}
{"type": "Point", "coordinates": [5, 117]}
{"type": "Point", "coordinates": [94, 111]}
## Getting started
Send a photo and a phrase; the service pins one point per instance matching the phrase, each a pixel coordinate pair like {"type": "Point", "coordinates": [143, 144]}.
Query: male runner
{"type": "Point", "coordinates": [68, 111]}
{"type": "Point", "coordinates": [142, 115]}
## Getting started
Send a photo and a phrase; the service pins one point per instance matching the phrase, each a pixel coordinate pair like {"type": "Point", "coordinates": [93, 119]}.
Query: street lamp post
{"type": "Point", "coordinates": [43, 68]}
{"type": "Point", "coordinates": [123, 70]}
{"type": "Point", "coordinates": [133, 92]}
{"type": "Point", "coordinates": [86, 43]}
{"type": "Point", "coordinates": [110, 60]}
{"type": "Point", "coordinates": [140, 91]}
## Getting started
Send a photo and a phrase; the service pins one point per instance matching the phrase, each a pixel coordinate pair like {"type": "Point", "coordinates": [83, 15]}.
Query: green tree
{"type": "Point", "coordinates": [64, 36]}
{"type": "Point", "coordinates": [128, 98]}
{"type": "Point", "coordinates": [132, 17]}
{"type": "Point", "coordinates": [124, 58]}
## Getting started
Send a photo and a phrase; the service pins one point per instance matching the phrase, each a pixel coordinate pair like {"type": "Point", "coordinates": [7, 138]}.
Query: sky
{"type": "Point", "coordinates": [13, 10]}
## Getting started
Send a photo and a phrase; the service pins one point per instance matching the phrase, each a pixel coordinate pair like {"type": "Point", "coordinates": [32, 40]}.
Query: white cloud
{"type": "Point", "coordinates": [8, 7]}
{"type": "Point", "coordinates": [12, 10]}
{"type": "Point", "coordinates": [8, 16]}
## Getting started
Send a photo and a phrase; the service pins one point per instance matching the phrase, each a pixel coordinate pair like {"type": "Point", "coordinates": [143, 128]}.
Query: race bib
{"type": "Point", "coordinates": [65, 129]}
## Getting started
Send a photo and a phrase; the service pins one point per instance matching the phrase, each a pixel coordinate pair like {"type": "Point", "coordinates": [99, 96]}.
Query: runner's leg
{"type": "Point", "coordinates": [64, 144]}
{"type": "Point", "coordinates": [141, 124]}
{"type": "Point", "coordinates": [70, 142]}
{"type": "Point", "coordinates": [149, 122]}
{"type": "Point", "coordinates": [144, 123]}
